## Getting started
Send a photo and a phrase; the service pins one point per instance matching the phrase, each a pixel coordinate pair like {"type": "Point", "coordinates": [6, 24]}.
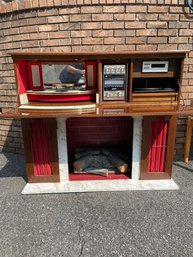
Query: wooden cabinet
{"type": "Point", "coordinates": [123, 84]}
{"type": "Point", "coordinates": [41, 151]}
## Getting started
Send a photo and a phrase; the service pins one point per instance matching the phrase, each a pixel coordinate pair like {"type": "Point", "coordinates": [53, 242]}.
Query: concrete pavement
{"type": "Point", "coordinates": [104, 224]}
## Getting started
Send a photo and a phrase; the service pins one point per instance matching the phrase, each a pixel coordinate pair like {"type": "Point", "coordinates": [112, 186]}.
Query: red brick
{"type": "Point", "coordinates": [82, 48]}
{"type": "Point", "coordinates": [15, 6]}
{"type": "Point", "coordinates": [58, 19]}
{"type": "Point", "coordinates": [79, 34]}
{"type": "Point", "coordinates": [176, 9]}
{"type": "Point", "coordinates": [92, 41]}
{"type": "Point", "coordinates": [168, 47]}
{"type": "Point", "coordinates": [124, 33]}
{"type": "Point", "coordinates": [48, 12]}
{"type": "Point", "coordinates": [124, 17]}
{"type": "Point", "coordinates": [91, 9]}
{"type": "Point", "coordinates": [136, 9]}
{"type": "Point", "coordinates": [178, 40]}
{"type": "Point", "coordinates": [50, 42]}
{"type": "Point", "coordinates": [176, 25]}
{"type": "Point", "coordinates": [135, 25]}
{"type": "Point", "coordinates": [113, 25]}
{"type": "Point", "coordinates": [48, 27]}
{"type": "Point", "coordinates": [12, 31]}
{"type": "Point", "coordinates": [103, 48]}
{"type": "Point", "coordinates": [65, 41]}
{"type": "Point", "coordinates": [91, 25]}
{"type": "Point", "coordinates": [50, 3]}
{"type": "Point", "coordinates": [113, 9]}
{"type": "Point", "coordinates": [36, 36]}
{"type": "Point", "coordinates": [72, 2]}
{"type": "Point", "coordinates": [28, 29]}
{"type": "Point", "coordinates": [113, 40]}
{"type": "Point", "coordinates": [35, 3]}
{"type": "Point", "coordinates": [146, 32]}
{"type": "Point", "coordinates": [69, 26]}
{"type": "Point", "coordinates": [57, 2]}
{"type": "Point", "coordinates": [168, 32]}
{"type": "Point", "coordinates": [69, 11]}
{"type": "Point", "coordinates": [157, 9]}
{"type": "Point", "coordinates": [157, 24]}
{"type": "Point", "coordinates": [5, 25]}
{"type": "Point", "coordinates": [184, 17]}
{"type": "Point", "coordinates": [81, 17]}
{"type": "Point", "coordinates": [57, 34]}
{"type": "Point", "coordinates": [42, 3]}
{"type": "Point", "coordinates": [122, 48]}
{"type": "Point", "coordinates": [186, 47]}
{"type": "Point", "coordinates": [28, 44]}
{"type": "Point", "coordinates": [168, 17]}
{"type": "Point", "coordinates": [39, 20]}
{"type": "Point", "coordinates": [102, 33]}
{"type": "Point", "coordinates": [146, 47]}
{"type": "Point", "coordinates": [147, 17]}
{"type": "Point", "coordinates": [157, 40]}
{"type": "Point", "coordinates": [136, 40]}
{"type": "Point", "coordinates": [102, 17]}
{"type": "Point", "coordinates": [62, 49]}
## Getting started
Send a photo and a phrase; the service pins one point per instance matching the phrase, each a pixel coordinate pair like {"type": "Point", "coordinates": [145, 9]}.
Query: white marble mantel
{"type": "Point", "coordinates": [66, 186]}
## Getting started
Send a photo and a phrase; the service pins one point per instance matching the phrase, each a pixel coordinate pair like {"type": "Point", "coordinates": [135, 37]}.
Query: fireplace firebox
{"type": "Point", "coordinates": [100, 138]}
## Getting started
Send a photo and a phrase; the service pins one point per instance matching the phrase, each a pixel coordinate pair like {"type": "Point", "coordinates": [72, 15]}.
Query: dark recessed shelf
{"type": "Point", "coordinates": [153, 89]}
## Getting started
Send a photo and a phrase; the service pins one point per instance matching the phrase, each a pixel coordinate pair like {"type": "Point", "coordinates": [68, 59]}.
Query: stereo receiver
{"type": "Point", "coordinates": [114, 82]}
{"type": "Point", "coordinates": [155, 66]}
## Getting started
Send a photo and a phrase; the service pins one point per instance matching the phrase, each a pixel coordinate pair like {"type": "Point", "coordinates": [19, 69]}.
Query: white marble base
{"type": "Point", "coordinates": [99, 185]}
{"type": "Point", "coordinates": [66, 186]}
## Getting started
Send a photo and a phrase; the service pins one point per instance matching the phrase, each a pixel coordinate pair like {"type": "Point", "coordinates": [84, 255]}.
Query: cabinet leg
{"type": "Point", "coordinates": [188, 139]}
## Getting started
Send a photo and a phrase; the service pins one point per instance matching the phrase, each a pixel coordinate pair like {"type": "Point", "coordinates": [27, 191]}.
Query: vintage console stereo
{"type": "Point", "coordinates": [110, 100]}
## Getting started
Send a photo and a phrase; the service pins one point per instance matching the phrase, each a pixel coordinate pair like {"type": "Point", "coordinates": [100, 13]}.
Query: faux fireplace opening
{"type": "Point", "coordinates": [99, 148]}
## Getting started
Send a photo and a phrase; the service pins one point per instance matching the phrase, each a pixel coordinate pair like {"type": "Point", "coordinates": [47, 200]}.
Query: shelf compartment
{"type": "Point", "coordinates": [155, 97]}
{"type": "Point", "coordinates": [172, 70]}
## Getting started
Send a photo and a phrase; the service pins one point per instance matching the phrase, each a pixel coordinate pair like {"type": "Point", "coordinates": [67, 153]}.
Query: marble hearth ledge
{"type": "Point", "coordinates": [99, 186]}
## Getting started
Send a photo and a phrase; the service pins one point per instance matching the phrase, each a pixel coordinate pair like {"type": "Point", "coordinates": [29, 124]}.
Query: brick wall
{"type": "Point", "coordinates": [90, 25]}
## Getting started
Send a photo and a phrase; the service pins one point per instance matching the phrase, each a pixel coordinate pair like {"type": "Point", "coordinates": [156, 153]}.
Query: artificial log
{"type": "Point", "coordinates": [101, 172]}
{"type": "Point", "coordinates": [122, 155]}
{"type": "Point", "coordinates": [120, 164]}
{"type": "Point", "coordinates": [82, 163]}
{"type": "Point", "coordinates": [80, 153]}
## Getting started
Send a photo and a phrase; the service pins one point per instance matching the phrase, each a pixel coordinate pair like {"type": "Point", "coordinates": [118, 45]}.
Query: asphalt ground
{"type": "Point", "coordinates": [102, 224]}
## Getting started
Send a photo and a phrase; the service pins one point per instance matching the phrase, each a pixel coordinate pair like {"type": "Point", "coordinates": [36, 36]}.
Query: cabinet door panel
{"type": "Point", "coordinates": [158, 142]}
{"type": "Point", "coordinates": [40, 145]}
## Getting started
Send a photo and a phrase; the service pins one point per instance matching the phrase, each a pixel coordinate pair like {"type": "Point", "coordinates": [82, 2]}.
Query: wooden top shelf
{"type": "Point", "coordinates": [97, 55]}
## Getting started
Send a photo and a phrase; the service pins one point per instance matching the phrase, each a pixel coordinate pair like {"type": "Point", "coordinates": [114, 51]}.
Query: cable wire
{"type": "Point", "coordinates": [189, 5]}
